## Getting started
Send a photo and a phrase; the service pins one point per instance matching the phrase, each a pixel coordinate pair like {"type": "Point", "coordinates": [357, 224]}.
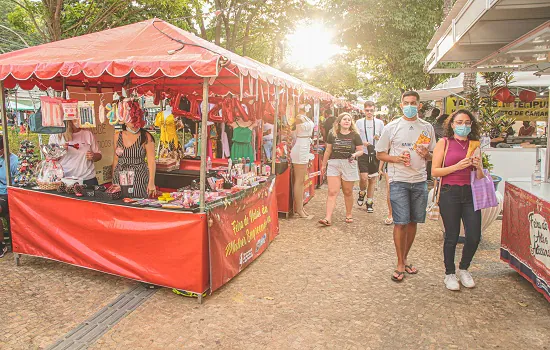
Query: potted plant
{"type": "Point", "coordinates": [485, 159]}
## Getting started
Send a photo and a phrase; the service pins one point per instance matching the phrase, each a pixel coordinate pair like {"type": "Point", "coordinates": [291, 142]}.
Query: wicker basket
{"type": "Point", "coordinates": [48, 186]}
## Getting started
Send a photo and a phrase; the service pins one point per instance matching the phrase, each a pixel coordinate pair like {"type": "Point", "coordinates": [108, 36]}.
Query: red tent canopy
{"type": "Point", "coordinates": [151, 55]}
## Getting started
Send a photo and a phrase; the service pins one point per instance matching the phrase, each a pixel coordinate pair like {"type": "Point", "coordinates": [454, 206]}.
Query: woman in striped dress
{"type": "Point", "coordinates": [135, 150]}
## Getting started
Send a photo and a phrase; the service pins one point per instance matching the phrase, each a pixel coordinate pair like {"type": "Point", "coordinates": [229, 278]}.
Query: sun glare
{"type": "Point", "coordinates": [311, 45]}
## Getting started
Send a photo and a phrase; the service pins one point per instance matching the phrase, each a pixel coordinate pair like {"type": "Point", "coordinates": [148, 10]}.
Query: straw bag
{"type": "Point", "coordinates": [432, 210]}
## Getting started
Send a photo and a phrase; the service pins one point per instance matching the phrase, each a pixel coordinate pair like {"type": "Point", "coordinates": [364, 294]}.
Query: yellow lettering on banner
{"type": "Point", "coordinates": [265, 210]}
{"type": "Point", "coordinates": [234, 246]}
{"type": "Point", "coordinates": [254, 214]}
{"type": "Point", "coordinates": [237, 226]}
{"type": "Point", "coordinates": [523, 111]}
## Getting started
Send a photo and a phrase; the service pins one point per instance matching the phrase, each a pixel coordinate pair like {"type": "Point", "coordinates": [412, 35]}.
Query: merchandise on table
{"type": "Point", "coordinates": [50, 172]}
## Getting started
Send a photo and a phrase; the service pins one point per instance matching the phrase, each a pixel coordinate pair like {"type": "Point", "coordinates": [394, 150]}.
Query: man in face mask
{"type": "Point", "coordinates": [405, 144]}
{"type": "Point", "coordinates": [527, 129]}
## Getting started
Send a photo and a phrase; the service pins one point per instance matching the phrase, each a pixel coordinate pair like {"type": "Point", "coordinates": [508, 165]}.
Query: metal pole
{"type": "Point", "coordinates": [274, 147]}
{"type": "Point", "coordinates": [5, 132]}
{"type": "Point", "coordinates": [204, 141]}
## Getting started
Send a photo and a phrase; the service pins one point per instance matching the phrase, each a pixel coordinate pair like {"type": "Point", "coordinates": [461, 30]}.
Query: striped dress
{"type": "Point", "coordinates": [133, 158]}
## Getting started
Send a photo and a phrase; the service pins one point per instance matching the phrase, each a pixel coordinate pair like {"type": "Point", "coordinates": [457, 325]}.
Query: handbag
{"type": "Point", "coordinates": [483, 191]}
{"type": "Point", "coordinates": [432, 211]}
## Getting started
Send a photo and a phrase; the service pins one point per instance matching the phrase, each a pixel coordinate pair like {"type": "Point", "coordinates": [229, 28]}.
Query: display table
{"type": "Point", "coordinates": [525, 241]}
{"type": "Point", "coordinates": [171, 248]}
{"type": "Point", "coordinates": [514, 162]}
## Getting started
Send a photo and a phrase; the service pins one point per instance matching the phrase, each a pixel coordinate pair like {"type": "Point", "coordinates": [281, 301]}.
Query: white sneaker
{"type": "Point", "coordinates": [451, 282]}
{"type": "Point", "coordinates": [466, 278]}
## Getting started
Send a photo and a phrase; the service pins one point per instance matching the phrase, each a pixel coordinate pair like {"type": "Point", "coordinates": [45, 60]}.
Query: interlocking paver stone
{"type": "Point", "coordinates": [314, 288]}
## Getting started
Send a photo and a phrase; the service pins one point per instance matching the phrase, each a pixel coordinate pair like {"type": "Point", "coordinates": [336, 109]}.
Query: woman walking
{"type": "Point", "coordinates": [344, 145]}
{"type": "Point", "coordinates": [453, 161]}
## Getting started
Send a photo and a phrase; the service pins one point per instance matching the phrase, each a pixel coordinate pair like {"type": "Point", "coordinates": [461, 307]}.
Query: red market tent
{"type": "Point", "coordinates": [116, 56]}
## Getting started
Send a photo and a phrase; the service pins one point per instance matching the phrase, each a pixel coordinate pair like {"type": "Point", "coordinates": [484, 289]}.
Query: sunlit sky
{"type": "Point", "coordinates": [311, 45]}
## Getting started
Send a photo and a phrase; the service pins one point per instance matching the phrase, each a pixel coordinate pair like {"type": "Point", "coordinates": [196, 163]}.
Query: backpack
{"type": "Point", "coordinates": [35, 125]}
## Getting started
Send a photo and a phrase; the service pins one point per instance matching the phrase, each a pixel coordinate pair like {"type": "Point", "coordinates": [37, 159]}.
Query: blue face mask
{"type": "Point", "coordinates": [463, 130]}
{"type": "Point", "coordinates": [410, 111]}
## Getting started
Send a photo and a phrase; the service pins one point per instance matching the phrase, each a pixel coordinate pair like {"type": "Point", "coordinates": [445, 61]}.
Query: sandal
{"type": "Point", "coordinates": [410, 269]}
{"type": "Point", "coordinates": [325, 222]}
{"type": "Point", "coordinates": [349, 220]}
{"type": "Point", "coordinates": [388, 220]}
{"type": "Point", "coordinates": [399, 274]}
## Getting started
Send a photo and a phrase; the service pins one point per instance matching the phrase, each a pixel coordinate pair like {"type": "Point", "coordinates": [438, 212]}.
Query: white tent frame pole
{"type": "Point", "coordinates": [5, 132]}
{"type": "Point", "coordinates": [204, 144]}
{"type": "Point", "coordinates": [274, 144]}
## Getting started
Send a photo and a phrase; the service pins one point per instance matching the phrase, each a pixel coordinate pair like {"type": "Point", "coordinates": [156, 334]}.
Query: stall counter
{"type": "Point", "coordinates": [525, 242]}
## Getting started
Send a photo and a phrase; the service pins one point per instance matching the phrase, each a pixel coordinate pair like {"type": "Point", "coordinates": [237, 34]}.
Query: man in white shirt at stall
{"type": "Point", "coordinates": [370, 130]}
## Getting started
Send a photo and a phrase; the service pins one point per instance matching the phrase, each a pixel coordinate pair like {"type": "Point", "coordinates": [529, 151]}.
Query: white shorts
{"type": "Point", "coordinates": [300, 153]}
{"type": "Point", "coordinates": [343, 168]}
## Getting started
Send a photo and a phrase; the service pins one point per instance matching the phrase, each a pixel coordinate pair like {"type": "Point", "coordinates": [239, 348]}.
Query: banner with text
{"type": "Point", "coordinates": [240, 230]}
{"type": "Point", "coordinates": [522, 111]}
{"type": "Point", "coordinates": [525, 241]}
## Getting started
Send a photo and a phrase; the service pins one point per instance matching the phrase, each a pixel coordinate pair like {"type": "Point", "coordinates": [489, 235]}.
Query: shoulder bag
{"type": "Point", "coordinates": [433, 209]}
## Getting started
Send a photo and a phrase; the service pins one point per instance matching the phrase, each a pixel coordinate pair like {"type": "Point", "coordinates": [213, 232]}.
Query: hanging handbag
{"type": "Point", "coordinates": [432, 210]}
{"type": "Point", "coordinates": [483, 191]}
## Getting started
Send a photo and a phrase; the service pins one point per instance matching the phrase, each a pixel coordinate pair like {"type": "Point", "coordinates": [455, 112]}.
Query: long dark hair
{"type": "Point", "coordinates": [474, 134]}
{"type": "Point", "coordinates": [145, 135]}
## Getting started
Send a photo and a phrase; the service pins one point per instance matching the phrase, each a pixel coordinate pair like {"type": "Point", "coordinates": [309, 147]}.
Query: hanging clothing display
{"type": "Point", "coordinates": [168, 134]}
{"type": "Point", "coordinates": [225, 143]}
{"type": "Point", "coordinates": [242, 143]}
{"type": "Point", "coordinates": [52, 111]}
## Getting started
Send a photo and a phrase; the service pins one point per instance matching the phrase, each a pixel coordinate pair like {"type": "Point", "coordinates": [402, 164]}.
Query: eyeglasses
{"type": "Point", "coordinates": [462, 122]}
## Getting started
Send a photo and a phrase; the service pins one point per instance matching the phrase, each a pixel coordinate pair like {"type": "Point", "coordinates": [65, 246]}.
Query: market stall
{"type": "Point", "coordinates": [505, 35]}
{"type": "Point", "coordinates": [187, 238]}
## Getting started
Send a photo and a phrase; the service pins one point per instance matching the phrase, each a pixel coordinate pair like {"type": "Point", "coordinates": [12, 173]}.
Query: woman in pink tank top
{"type": "Point", "coordinates": [453, 164]}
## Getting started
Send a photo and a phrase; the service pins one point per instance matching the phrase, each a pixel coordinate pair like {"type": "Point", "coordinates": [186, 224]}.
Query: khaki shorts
{"type": "Point", "coordinates": [343, 168]}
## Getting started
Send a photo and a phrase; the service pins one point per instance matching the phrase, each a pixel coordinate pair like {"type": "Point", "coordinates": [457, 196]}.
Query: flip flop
{"type": "Point", "coordinates": [388, 221]}
{"type": "Point", "coordinates": [411, 267]}
{"type": "Point", "coordinates": [325, 222]}
{"type": "Point", "coordinates": [349, 220]}
{"type": "Point", "coordinates": [399, 274]}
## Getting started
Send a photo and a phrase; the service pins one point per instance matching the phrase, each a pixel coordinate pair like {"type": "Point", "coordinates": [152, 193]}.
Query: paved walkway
{"type": "Point", "coordinates": [315, 288]}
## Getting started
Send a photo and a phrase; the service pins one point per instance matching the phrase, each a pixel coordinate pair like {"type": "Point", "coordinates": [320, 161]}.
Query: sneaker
{"type": "Point", "coordinates": [370, 209]}
{"type": "Point", "coordinates": [3, 250]}
{"type": "Point", "coordinates": [361, 199]}
{"type": "Point", "coordinates": [451, 282]}
{"type": "Point", "coordinates": [466, 278]}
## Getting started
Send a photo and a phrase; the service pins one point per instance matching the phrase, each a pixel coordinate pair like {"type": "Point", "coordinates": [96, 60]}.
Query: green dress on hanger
{"type": "Point", "coordinates": [242, 143]}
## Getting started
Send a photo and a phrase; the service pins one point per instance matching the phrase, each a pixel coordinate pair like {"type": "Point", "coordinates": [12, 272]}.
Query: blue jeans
{"type": "Point", "coordinates": [408, 202]}
{"type": "Point", "coordinates": [268, 146]}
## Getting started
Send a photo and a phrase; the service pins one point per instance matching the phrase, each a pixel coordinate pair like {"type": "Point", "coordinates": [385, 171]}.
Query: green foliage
{"type": "Point", "coordinates": [492, 121]}
{"type": "Point", "coordinates": [486, 161]}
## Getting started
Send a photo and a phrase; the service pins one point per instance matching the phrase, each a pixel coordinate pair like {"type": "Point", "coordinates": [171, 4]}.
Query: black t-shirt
{"type": "Point", "coordinates": [343, 145]}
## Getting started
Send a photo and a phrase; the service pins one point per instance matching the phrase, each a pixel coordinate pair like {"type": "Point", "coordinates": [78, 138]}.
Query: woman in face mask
{"type": "Point", "coordinates": [455, 157]}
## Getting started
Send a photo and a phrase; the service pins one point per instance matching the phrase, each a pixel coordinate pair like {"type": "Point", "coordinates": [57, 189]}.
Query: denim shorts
{"type": "Point", "coordinates": [408, 202]}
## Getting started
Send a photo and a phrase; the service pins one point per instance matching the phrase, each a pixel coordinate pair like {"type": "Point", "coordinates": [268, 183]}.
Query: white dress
{"type": "Point", "coordinates": [300, 153]}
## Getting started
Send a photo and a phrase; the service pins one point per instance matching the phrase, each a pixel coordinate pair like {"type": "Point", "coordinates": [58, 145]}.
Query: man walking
{"type": "Point", "coordinates": [405, 145]}
{"type": "Point", "coordinates": [370, 130]}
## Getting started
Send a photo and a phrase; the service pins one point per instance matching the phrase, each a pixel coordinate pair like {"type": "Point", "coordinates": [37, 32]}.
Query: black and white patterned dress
{"type": "Point", "coordinates": [133, 158]}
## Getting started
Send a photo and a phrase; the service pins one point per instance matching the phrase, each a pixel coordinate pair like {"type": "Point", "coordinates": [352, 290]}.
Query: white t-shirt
{"type": "Point", "coordinates": [401, 135]}
{"type": "Point", "coordinates": [74, 163]}
{"type": "Point", "coordinates": [374, 127]}
{"type": "Point", "coordinates": [268, 127]}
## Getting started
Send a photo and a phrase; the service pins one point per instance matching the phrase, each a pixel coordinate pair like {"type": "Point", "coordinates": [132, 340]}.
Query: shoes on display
{"type": "Point", "coordinates": [451, 282]}
{"type": "Point", "coordinates": [361, 199]}
{"type": "Point", "coordinates": [466, 278]}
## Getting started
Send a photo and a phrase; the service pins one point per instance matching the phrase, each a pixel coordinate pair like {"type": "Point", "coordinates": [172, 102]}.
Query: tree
{"type": "Point", "coordinates": [390, 36]}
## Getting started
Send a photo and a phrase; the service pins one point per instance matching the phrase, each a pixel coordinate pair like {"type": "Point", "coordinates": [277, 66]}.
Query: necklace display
{"type": "Point", "coordinates": [460, 142]}
{"type": "Point", "coordinates": [132, 131]}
